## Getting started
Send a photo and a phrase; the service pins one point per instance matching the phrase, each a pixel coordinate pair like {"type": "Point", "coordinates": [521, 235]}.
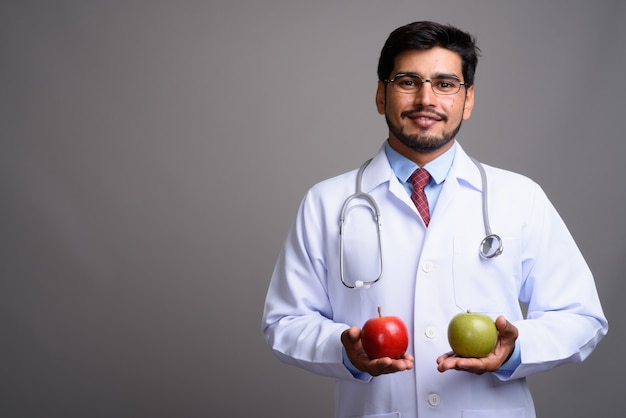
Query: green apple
{"type": "Point", "coordinates": [472, 334]}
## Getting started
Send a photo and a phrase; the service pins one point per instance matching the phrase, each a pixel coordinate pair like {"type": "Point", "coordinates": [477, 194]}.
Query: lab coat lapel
{"type": "Point", "coordinates": [463, 173]}
{"type": "Point", "coordinates": [379, 172]}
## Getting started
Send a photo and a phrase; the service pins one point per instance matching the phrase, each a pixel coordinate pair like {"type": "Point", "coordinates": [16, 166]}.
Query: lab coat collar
{"type": "Point", "coordinates": [379, 171]}
{"type": "Point", "coordinates": [464, 170]}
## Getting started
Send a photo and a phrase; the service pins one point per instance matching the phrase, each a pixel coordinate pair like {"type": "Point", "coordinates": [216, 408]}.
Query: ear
{"type": "Point", "coordinates": [469, 103]}
{"type": "Point", "coordinates": [380, 98]}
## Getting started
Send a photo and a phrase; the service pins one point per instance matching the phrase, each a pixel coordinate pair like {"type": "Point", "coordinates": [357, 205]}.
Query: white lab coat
{"type": "Point", "coordinates": [431, 274]}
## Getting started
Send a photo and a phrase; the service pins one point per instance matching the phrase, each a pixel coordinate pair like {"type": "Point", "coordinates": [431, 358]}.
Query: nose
{"type": "Point", "coordinates": [425, 95]}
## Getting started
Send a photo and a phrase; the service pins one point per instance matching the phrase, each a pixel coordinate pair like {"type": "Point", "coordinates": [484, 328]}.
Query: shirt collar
{"type": "Point", "coordinates": [403, 167]}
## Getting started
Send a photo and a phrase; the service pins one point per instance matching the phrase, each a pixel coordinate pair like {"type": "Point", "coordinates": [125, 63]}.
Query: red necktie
{"type": "Point", "coordinates": [420, 179]}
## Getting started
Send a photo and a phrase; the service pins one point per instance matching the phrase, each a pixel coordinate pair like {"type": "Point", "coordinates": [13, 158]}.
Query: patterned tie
{"type": "Point", "coordinates": [419, 180]}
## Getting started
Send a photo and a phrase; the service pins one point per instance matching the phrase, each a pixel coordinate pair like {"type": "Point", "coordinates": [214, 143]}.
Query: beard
{"type": "Point", "coordinates": [419, 142]}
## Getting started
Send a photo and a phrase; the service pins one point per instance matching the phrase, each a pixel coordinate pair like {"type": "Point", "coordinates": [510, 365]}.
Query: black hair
{"type": "Point", "coordinates": [427, 35]}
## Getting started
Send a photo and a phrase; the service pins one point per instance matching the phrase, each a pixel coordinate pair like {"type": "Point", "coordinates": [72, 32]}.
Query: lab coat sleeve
{"type": "Point", "coordinates": [565, 320]}
{"type": "Point", "coordinates": [297, 318]}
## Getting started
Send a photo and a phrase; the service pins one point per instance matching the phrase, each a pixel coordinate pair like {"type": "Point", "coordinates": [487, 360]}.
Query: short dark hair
{"type": "Point", "coordinates": [426, 35]}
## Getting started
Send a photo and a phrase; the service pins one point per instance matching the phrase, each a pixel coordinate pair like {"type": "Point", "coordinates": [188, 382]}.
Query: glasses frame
{"type": "Point", "coordinates": [422, 81]}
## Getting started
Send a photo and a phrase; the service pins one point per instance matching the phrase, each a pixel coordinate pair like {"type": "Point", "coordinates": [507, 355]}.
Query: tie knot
{"type": "Point", "coordinates": [419, 179]}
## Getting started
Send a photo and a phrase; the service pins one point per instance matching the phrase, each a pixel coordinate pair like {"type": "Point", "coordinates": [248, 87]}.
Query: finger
{"type": "Point", "coordinates": [505, 327]}
{"type": "Point", "coordinates": [445, 356]}
{"type": "Point", "coordinates": [345, 337]}
{"type": "Point", "coordinates": [386, 365]}
{"type": "Point", "coordinates": [355, 333]}
{"type": "Point", "coordinates": [502, 324]}
{"type": "Point", "coordinates": [380, 366]}
{"type": "Point", "coordinates": [446, 363]}
{"type": "Point", "coordinates": [351, 335]}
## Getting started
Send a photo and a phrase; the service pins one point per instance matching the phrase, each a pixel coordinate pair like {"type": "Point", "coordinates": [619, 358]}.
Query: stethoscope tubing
{"type": "Point", "coordinates": [490, 247]}
{"type": "Point", "coordinates": [359, 194]}
{"type": "Point", "coordinates": [486, 249]}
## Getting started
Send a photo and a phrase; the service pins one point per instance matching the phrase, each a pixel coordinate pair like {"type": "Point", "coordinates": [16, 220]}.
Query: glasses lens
{"type": "Point", "coordinates": [407, 83]}
{"type": "Point", "coordinates": [446, 85]}
{"type": "Point", "coordinates": [404, 83]}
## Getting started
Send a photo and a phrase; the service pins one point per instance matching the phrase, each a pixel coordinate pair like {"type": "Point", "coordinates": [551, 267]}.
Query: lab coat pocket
{"type": "Point", "coordinates": [489, 286]}
{"type": "Point", "coordinates": [495, 413]}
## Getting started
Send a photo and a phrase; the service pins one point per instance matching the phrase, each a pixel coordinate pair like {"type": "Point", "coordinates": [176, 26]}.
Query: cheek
{"type": "Point", "coordinates": [456, 112]}
{"type": "Point", "coordinates": [396, 106]}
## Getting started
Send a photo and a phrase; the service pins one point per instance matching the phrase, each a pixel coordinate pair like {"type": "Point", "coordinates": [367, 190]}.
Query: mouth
{"type": "Point", "coordinates": [424, 114]}
{"type": "Point", "coordinates": [424, 118]}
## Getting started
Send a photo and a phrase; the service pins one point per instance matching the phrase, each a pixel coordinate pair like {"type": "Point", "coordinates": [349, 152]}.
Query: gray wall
{"type": "Point", "coordinates": [153, 154]}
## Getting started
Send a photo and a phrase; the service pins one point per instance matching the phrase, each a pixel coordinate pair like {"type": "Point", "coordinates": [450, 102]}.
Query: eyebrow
{"type": "Point", "coordinates": [437, 75]}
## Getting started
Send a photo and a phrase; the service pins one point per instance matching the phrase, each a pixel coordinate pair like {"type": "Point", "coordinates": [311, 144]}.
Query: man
{"type": "Point", "coordinates": [324, 286]}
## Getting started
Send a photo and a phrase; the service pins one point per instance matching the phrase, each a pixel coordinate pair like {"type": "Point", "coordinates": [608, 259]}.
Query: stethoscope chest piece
{"type": "Point", "coordinates": [491, 246]}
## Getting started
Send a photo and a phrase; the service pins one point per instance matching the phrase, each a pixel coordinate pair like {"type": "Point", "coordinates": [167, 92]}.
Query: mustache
{"type": "Point", "coordinates": [422, 109]}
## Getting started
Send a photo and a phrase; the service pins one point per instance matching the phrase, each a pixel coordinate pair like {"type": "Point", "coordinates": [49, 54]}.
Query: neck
{"type": "Point", "coordinates": [419, 158]}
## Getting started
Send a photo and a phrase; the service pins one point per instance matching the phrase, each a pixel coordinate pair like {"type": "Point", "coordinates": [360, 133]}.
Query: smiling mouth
{"type": "Point", "coordinates": [424, 115]}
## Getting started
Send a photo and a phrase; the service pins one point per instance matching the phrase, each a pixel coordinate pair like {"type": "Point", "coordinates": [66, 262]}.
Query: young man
{"type": "Point", "coordinates": [324, 285]}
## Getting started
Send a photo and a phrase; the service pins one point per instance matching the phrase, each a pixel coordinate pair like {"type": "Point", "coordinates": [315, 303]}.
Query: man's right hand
{"type": "Point", "coordinates": [351, 340]}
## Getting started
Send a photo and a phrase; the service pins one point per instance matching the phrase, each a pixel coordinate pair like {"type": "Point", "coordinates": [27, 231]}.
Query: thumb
{"type": "Point", "coordinates": [351, 335]}
{"type": "Point", "coordinates": [505, 328]}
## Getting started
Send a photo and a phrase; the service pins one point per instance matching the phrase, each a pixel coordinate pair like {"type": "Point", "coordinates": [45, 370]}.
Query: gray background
{"type": "Point", "coordinates": [153, 155]}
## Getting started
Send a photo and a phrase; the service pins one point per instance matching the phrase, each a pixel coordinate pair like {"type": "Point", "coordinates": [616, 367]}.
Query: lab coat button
{"type": "Point", "coordinates": [428, 267]}
{"type": "Point", "coordinates": [434, 399]}
{"type": "Point", "coordinates": [430, 332]}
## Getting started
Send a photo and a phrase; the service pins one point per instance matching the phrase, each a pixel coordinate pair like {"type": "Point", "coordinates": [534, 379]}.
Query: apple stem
{"type": "Point", "coordinates": [380, 315]}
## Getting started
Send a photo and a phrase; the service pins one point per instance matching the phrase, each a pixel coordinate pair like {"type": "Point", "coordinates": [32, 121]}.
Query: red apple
{"type": "Point", "coordinates": [472, 334]}
{"type": "Point", "coordinates": [385, 336]}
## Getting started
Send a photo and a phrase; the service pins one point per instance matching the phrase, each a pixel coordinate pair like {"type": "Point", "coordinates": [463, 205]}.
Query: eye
{"type": "Point", "coordinates": [446, 84]}
{"type": "Point", "coordinates": [407, 82]}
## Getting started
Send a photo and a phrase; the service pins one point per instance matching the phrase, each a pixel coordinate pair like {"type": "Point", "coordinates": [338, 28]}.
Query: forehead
{"type": "Point", "coordinates": [429, 62]}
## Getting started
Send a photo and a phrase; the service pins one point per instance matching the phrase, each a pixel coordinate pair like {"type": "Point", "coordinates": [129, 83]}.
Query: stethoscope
{"type": "Point", "coordinates": [490, 246]}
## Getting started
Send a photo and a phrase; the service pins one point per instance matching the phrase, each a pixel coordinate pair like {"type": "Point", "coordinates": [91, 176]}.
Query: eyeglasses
{"type": "Point", "coordinates": [412, 83]}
